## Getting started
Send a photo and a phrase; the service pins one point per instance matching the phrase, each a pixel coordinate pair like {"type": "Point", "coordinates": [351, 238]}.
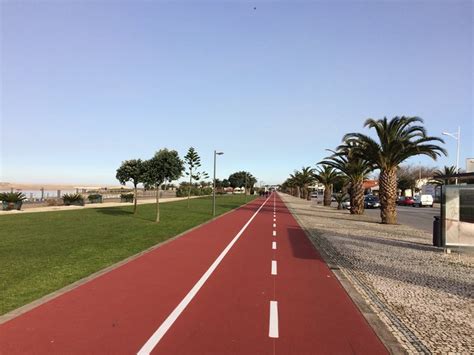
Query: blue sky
{"type": "Point", "coordinates": [88, 84]}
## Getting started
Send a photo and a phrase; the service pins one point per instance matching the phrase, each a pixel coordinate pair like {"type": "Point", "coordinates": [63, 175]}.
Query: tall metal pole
{"type": "Point", "coordinates": [456, 136]}
{"type": "Point", "coordinates": [214, 188]}
{"type": "Point", "coordinates": [457, 154]}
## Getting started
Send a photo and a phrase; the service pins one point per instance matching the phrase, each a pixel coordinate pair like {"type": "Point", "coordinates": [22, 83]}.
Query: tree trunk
{"type": "Point", "coordinates": [190, 184]}
{"type": "Point", "coordinates": [157, 203]}
{"type": "Point", "coordinates": [135, 199]}
{"type": "Point", "coordinates": [298, 191]}
{"type": "Point", "coordinates": [357, 197]}
{"type": "Point", "coordinates": [388, 195]}
{"type": "Point", "coordinates": [327, 195]}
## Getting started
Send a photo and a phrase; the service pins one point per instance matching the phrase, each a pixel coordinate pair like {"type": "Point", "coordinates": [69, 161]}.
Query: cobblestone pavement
{"type": "Point", "coordinates": [423, 295]}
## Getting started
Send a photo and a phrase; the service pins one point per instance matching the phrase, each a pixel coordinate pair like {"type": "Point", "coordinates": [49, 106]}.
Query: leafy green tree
{"type": "Point", "coordinates": [131, 171]}
{"type": "Point", "coordinates": [225, 183]}
{"type": "Point", "coordinates": [193, 163]}
{"type": "Point", "coordinates": [242, 179]}
{"type": "Point", "coordinates": [327, 176]}
{"type": "Point", "coordinates": [165, 166]}
{"type": "Point", "coordinates": [397, 140]}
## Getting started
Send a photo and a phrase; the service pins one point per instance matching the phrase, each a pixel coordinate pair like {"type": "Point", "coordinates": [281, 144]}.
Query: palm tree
{"type": "Point", "coordinates": [447, 171]}
{"type": "Point", "coordinates": [398, 139]}
{"type": "Point", "coordinates": [295, 178]}
{"type": "Point", "coordinates": [289, 186]}
{"type": "Point", "coordinates": [306, 178]}
{"type": "Point", "coordinates": [301, 180]}
{"type": "Point", "coordinates": [355, 168]}
{"type": "Point", "coordinates": [327, 176]}
{"type": "Point", "coordinates": [340, 198]}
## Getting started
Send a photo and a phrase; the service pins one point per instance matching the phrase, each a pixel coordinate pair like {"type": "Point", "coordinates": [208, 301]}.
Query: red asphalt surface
{"type": "Point", "coordinates": [119, 311]}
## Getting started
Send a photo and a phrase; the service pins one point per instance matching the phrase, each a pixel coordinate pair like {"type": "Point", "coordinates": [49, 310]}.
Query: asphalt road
{"type": "Point", "coordinates": [418, 218]}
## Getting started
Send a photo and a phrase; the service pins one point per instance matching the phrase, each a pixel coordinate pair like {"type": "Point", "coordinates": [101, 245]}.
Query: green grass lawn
{"type": "Point", "coordinates": [42, 252]}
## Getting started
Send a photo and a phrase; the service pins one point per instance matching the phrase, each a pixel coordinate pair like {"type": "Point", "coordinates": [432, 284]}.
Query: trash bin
{"type": "Point", "coordinates": [437, 232]}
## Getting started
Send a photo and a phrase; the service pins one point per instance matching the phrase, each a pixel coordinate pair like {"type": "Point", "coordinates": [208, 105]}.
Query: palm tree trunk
{"type": "Point", "coordinates": [327, 195]}
{"type": "Point", "coordinates": [357, 197]}
{"type": "Point", "coordinates": [157, 203]}
{"type": "Point", "coordinates": [135, 199]}
{"type": "Point", "coordinates": [297, 191]}
{"type": "Point", "coordinates": [388, 195]}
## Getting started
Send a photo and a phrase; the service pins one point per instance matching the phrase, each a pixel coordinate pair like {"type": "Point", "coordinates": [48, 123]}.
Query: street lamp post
{"type": "Point", "coordinates": [214, 187]}
{"type": "Point", "coordinates": [457, 137]}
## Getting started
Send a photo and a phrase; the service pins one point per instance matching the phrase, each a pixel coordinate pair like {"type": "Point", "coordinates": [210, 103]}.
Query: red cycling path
{"type": "Point", "coordinates": [271, 293]}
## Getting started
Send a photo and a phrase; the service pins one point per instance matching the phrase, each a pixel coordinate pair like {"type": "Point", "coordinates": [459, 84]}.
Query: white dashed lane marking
{"type": "Point", "coordinates": [273, 323]}
{"type": "Point", "coordinates": [274, 267]}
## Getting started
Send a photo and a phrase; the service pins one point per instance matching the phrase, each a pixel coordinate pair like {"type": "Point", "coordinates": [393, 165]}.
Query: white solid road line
{"type": "Point", "coordinates": [274, 233]}
{"type": "Point", "coordinates": [165, 326]}
{"type": "Point", "coordinates": [274, 267]}
{"type": "Point", "coordinates": [274, 245]}
{"type": "Point", "coordinates": [273, 326]}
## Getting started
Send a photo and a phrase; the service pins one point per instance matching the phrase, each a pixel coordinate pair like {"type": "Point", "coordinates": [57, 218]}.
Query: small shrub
{"type": "Point", "coordinates": [73, 199]}
{"type": "Point", "coordinates": [95, 198]}
{"type": "Point", "coordinates": [195, 191]}
{"type": "Point", "coordinates": [12, 197]}
{"type": "Point", "coordinates": [126, 197]}
{"type": "Point", "coordinates": [12, 200]}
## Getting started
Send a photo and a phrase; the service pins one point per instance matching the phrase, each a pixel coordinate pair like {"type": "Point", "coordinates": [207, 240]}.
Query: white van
{"type": "Point", "coordinates": [423, 200]}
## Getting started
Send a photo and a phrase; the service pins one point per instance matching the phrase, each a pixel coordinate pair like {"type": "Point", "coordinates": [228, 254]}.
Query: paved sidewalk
{"type": "Point", "coordinates": [424, 296]}
{"type": "Point", "coordinates": [93, 205]}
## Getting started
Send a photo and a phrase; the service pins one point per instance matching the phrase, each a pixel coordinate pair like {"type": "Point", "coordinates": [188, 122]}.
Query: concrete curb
{"type": "Point", "coordinates": [29, 306]}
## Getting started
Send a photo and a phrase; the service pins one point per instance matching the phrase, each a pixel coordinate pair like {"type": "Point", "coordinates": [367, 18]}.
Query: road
{"type": "Point", "coordinates": [418, 218]}
{"type": "Point", "coordinates": [249, 282]}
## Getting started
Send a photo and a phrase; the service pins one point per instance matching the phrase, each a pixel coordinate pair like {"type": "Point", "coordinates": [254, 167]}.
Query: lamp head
{"type": "Point", "coordinates": [452, 135]}
{"type": "Point", "coordinates": [219, 153]}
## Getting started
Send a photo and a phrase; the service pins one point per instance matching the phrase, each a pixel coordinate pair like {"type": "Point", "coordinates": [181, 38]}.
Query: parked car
{"type": "Point", "coordinates": [423, 200]}
{"type": "Point", "coordinates": [371, 201]}
{"type": "Point", "coordinates": [346, 205]}
{"type": "Point", "coordinates": [405, 201]}
{"type": "Point", "coordinates": [317, 196]}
